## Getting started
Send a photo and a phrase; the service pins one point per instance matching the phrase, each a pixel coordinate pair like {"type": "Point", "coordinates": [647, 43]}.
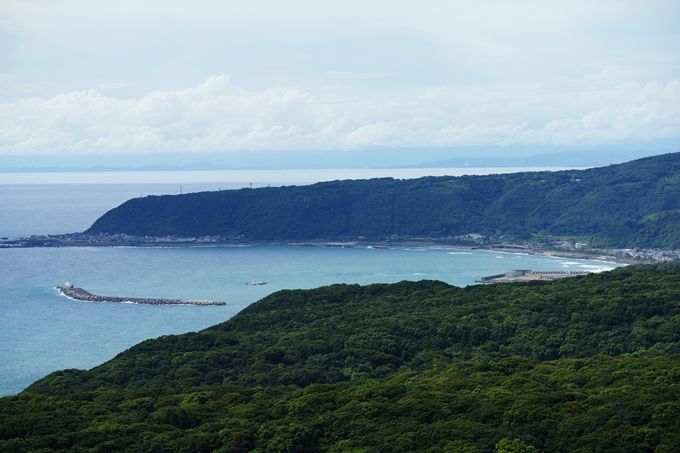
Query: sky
{"type": "Point", "coordinates": [168, 81]}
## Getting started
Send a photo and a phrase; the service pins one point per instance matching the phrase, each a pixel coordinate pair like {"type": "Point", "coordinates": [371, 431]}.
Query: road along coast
{"type": "Point", "coordinates": [622, 256]}
{"type": "Point", "coordinates": [72, 292]}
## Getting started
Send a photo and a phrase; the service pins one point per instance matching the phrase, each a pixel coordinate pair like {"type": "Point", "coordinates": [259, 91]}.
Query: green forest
{"type": "Point", "coordinates": [636, 204]}
{"type": "Point", "coordinates": [583, 364]}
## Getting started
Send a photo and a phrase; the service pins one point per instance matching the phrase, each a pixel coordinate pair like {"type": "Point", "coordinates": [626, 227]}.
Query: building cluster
{"type": "Point", "coordinates": [104, 238]}
{"type": "Point", "coordinates": [569, 245]}
{"type": "Point", "coordinates": [647, 254]}
{"type": "Point", "coordinates": [470, 237]}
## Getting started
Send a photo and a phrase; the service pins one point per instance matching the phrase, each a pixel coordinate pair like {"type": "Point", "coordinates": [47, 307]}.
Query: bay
{"type": "Point", "coordinates": [42, 331]}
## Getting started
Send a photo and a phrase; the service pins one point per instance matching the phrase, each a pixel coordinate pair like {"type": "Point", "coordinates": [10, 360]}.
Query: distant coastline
{"type": "Point", "coordinates": [619, 256]}
{"type": "Point", "coordinates": [259, 178]}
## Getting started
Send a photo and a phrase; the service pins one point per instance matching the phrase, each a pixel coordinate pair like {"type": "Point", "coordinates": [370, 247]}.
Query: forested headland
{"type": "Point", "coordinates": [636, 204]}
{"type": "Point", "coordinates": [586, 364]}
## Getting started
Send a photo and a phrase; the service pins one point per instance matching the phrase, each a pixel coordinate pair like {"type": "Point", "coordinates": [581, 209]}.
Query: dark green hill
{"type": "Point", "coordinates": [595, 405]}
{"type": "Point", "coordinates": [631, 204]}
{"type": "Point", "coordinates": [586, 364]}
{"type": "Point", "coordinates": [330, 334]}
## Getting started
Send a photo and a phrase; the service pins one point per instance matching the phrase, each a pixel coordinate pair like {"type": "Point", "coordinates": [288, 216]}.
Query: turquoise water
{"type": "Point", "coordinates": [42, 331]}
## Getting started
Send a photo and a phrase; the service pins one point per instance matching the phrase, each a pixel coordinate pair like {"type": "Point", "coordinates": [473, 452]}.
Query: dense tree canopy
{"type": "Point", "coordinates": [584, 364]}
{"type": "Point", "coordinates": [632, 204]}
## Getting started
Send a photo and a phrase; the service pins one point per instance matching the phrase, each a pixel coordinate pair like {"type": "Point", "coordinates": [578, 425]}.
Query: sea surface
{"type": "Point", "coordinates": [42, 331]}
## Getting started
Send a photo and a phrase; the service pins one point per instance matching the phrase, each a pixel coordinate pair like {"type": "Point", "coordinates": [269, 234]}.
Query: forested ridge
{"type": "Point", "coordinates": [625, 205]}
{"type": "Point", "coordinates": [587, 364]}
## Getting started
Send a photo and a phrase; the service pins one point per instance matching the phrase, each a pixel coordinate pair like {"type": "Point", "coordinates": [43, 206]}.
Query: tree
{"type": "Point", "coordinates": [514, 446]}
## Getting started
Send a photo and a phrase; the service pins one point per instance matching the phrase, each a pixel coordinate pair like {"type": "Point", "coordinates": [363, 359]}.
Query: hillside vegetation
{"type": "Point", "coordinates": [626, 205]}
{"type": "Point", "coordinates": [586, 364]}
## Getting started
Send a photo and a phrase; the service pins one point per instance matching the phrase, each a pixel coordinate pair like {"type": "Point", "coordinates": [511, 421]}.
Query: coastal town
{"type": "Point", "coordinates": [554, 247]}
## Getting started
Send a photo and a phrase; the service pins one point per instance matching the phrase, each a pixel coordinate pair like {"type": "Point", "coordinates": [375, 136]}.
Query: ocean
{"type": "Point", "coordinates": [42, 331]}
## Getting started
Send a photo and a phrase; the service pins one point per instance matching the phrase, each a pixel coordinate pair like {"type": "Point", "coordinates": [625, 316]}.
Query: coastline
{"type": "Point", "coordinates": [593, 254]}
{"type": "Point", "coordinates": [526, 250]}
{"type": "Point", "coordinates": [619, 256]}
{"type": "Point", "coordinates": [554, 254]}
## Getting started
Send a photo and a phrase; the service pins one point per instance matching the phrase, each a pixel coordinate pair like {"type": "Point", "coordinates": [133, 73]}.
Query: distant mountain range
{"type": "Point", "coordinates": [563, 159]}
{"type": "Point", "coordinates": [625, 205]}
{"type": "Point", "coordinates": [200, 166]}
{"type": "Point", "coordinates": [573, 159]}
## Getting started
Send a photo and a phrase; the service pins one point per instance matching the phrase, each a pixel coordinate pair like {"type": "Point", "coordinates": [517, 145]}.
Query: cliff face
{"type": "Point", "coordinates": [632, 204]}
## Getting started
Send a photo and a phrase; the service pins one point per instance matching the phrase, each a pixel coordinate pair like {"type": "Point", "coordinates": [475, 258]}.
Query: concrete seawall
{"type": "Point", "coordinates": [523, 275]}
{"type": "Point", "coordinates": [71, 291]}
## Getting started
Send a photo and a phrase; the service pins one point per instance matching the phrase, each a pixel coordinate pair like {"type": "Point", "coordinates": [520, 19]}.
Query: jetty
{"type": "Point", "coordinates": [523, 275]}
{"type": "Point", "coordinates": [68, 290]}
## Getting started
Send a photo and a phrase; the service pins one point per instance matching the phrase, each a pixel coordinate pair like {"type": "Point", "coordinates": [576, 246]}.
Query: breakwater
{"type": "Point", "coordinates": [71, 291]}
{"type": "Point", "coordinates": [522, 275]}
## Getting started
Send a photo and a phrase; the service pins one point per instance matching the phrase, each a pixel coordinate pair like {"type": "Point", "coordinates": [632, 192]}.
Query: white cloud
{"type": "Point", "coordinates": [218, 116]}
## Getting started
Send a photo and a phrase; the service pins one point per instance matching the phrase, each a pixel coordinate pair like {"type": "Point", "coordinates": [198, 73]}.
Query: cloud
{"type": "Point", "coordinates": [218, 116]}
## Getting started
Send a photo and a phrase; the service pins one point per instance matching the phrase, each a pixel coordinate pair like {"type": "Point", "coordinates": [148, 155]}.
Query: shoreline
{"type": "Point", "coordinates": [601, 256]}
{"type": "Point", "coordinates": [604, 255]}
{"type": "Point", "coordinates": [487, 248]}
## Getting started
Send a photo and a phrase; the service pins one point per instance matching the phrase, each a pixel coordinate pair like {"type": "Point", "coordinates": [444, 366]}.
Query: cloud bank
{"type": "Point", "coordinates": [217, 116]}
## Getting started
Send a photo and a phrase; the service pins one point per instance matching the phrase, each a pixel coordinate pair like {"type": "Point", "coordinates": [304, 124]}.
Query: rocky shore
{"type": "Point", "coordinates": [71, 291]}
